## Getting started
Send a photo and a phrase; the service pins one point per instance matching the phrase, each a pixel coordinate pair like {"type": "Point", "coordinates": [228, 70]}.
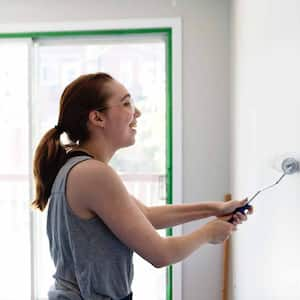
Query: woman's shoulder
{"type": "Point", "coordinates": [91, 171]}
{"type": "Point", "coordinates": [89, 180]}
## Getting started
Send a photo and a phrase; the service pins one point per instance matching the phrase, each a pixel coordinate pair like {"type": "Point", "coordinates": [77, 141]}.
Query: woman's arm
{"type": "Point", "coordinates": [165, 216]}
{"type": "Point", "coordinates": [103, 193]}
{"type": "Point", "coordinates": [171, 215]}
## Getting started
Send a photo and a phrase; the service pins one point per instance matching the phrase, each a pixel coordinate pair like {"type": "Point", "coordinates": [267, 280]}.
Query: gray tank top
{"type": "Point", "coordinates": [91, 262]}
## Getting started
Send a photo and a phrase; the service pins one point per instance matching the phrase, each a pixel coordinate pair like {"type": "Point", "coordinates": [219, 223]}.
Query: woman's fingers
{"type": "Point", "coordinates": [239, 217]}
{"type": "Point", "coordinates": [243, 217]}
{"type": "Point", "coordinates": [250, 210]}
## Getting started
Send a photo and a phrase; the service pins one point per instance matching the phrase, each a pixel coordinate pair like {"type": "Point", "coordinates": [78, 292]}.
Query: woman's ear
{"type": "Point", "coordinates": [97, 118]}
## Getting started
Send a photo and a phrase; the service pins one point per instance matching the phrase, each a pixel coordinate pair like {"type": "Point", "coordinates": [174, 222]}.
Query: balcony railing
{"type": "Point", "coordinates": [149, 188]}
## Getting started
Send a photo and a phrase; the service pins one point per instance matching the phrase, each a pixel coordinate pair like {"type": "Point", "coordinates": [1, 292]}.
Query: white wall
{"type": "Point", "coordinates": [205, 100]}
{"type": "Point", "coordinates": [265, 128]}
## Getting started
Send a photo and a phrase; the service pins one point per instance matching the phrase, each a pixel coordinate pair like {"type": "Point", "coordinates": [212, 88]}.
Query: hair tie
{"type": "Point", "coordinates": [59, 129]}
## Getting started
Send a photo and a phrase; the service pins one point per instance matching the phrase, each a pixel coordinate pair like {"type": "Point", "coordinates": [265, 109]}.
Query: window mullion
{"type": "Point", "coordinates": [33, 216]}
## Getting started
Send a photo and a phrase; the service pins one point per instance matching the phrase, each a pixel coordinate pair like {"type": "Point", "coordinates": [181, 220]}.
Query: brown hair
{"type": "Point", "coordinates": [84, 94]}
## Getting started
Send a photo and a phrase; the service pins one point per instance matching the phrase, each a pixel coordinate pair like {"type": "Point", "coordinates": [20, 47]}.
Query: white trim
{"type": "Point", "coordinates": [177, 114]}
{"type": "Point", "coordinates": [175, 25]}
{"type": "Point", "coordinates": [31, 192]}
{"type": "Point", "coordinates": [36, 216]}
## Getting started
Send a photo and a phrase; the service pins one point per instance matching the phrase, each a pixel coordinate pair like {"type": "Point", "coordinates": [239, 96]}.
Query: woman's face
{"type": "Point", "coordinates": [120, 116]}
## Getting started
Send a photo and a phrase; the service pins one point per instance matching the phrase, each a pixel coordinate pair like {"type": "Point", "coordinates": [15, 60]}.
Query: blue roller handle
{"type": "Point", "coordinates": [241, 210]}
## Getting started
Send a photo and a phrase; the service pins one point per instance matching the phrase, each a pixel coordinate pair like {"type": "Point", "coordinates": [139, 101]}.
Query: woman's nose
{"type": "Point", "coordinates": [137, 112]}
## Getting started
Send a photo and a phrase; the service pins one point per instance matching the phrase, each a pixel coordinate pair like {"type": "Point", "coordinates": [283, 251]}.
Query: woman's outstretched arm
{"type": "Point", "coordinates": [165, 216]}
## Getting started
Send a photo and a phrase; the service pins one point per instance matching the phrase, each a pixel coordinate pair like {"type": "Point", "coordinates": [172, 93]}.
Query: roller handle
{"type": "Point", "coordinates": [241, 210]}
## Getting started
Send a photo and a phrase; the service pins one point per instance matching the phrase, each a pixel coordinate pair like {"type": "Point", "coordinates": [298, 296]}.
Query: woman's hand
{"type": "Point", "coordinates": [218, 231]}
{"type": "Point", "coordinates": [225, 210]}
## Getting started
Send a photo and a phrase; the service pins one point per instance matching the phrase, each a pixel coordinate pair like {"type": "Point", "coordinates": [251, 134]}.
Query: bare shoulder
{"type": "Point", "coordinates": [89, 166]}
{"type": "Point", "coordinates": [92, 175]}
{"type": "Point", "coordinates": [90, 170]}
{"type": "Point", "coordinates": [87, 181]}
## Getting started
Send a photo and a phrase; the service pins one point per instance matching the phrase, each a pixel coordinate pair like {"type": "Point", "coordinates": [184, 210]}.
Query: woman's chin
{"type": "Point", "coordinates": [132, 142]}
{"type": "Point", "coordinates": [132, 137]}
{"type": "Point", "coordinates": [129, 142]}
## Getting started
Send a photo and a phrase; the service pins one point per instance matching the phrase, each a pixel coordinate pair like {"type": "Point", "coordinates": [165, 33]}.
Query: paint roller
{"type": "Point", "coordinates": [289, 166]}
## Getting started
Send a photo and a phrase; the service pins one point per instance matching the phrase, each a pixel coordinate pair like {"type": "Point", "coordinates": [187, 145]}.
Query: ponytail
{"type": "Point", "coordinates": [49, 157]}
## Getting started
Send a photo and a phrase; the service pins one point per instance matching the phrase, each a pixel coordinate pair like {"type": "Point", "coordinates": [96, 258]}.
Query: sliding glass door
{"type": "Point", "coordinates": [33, 75]}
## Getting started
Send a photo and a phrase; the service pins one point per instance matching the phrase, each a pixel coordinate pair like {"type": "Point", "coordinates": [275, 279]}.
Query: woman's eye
{"type": "Point", "coordinates": [127, 103]}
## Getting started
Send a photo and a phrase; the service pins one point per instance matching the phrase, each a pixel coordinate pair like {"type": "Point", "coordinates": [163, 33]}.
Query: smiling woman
{"type": "Point", "coordinates": [99, 134]}
{"type": "Point", "coordinates": [94, 225]}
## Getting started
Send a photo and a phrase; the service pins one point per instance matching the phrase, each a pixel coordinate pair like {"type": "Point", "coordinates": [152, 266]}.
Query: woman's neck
{"type": "Point", "coordinates": [99, 153]}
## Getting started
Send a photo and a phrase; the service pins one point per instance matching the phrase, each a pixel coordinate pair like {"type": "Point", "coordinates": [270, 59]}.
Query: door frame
{"type": "Point", "coordinates": [174, 98]}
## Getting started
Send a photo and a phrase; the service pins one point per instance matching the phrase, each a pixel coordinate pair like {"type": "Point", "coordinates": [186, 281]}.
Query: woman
{"type": "Point", "coordinates": [94, 224]}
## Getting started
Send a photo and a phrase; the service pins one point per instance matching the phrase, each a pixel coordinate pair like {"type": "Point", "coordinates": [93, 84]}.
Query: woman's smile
{"type": "Point", "coordinates": [133, 126]}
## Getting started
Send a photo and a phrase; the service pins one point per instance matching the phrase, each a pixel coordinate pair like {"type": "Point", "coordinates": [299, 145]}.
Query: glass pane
{"type": "Point", "coordinates": [139, 65]}
{"type": "Point", "coordinates": [14, 108]}
{"type": "Point", "coordinates": [14, 179]}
